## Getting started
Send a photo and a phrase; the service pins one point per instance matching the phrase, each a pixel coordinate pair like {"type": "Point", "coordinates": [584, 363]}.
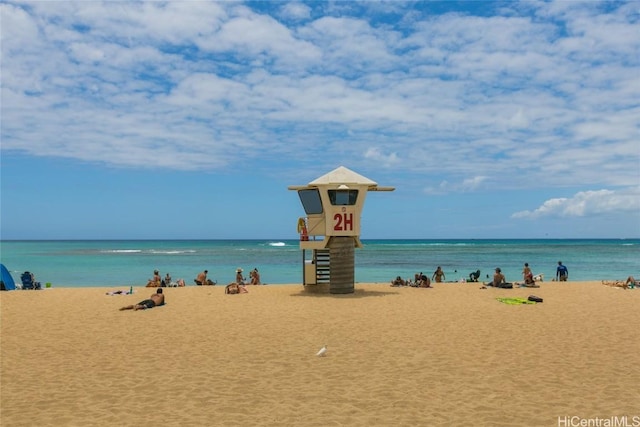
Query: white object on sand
{"type": "Point", "coordinates": [322, 351]}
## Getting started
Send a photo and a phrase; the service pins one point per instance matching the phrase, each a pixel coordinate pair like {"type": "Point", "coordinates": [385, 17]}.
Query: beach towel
{"type": "Point", "coordinates": [515, 301]}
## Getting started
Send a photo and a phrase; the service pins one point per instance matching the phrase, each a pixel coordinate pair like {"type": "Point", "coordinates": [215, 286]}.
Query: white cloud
{"type": "Point", "coordinates": [465, 186]}
{"type": "Point", "coordinates": [296, 10]}
{"type": "Point", "coordinates": [212, 83]}
{"type": "Point", "coordinates": [470, 184]}
{"type": "Point", "coordinates": [586, 203]}
{"type": "Point", "coordinates": [386, 160]}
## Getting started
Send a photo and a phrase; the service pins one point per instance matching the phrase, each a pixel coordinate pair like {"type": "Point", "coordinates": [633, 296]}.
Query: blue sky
{"type": "Point", "coordinates": [160, 120]}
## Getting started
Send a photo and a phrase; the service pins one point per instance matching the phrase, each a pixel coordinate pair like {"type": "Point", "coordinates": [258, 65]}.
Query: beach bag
{"type": "Point", "coordinates": [534, 298]}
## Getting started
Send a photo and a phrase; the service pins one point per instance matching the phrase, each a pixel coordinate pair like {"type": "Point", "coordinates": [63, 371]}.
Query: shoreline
{"type": "Point", "coordinates": [449, 355]}
{"type": "Point", "coordinates": [516, 285]}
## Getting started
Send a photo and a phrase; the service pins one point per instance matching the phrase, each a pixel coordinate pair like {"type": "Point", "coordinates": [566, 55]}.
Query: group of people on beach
{"type": "Point", "coordinates": [422, 281]}
{"type": "Point", "coordinates": [499, 280]}
{"type": "Point", "coordinates": [254, 278]}
{"type": "Point", "coordinates": [157, 282]}
{"type": "Point", "coordinates": [529, 280]}
{"type": "Point", "coordinates": [240, 284]}
{"type": "Point", "coordinates": [157, 299]}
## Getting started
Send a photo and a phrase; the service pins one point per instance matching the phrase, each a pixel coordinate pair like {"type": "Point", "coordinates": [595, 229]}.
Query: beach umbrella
{"type": "Point", "coordinates": [8, 284]}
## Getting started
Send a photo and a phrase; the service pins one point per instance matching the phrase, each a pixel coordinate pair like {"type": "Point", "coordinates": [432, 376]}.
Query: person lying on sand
{"type": "Point", "coordinates": [235, 288]}
{"type": "Point", "coordinates": [629, 283]}
{"type": "Point", "coordinates": [154, 300]}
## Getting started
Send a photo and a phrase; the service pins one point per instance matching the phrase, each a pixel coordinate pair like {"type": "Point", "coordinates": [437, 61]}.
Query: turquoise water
{"type": "Point", "coordinates": [124, 263]}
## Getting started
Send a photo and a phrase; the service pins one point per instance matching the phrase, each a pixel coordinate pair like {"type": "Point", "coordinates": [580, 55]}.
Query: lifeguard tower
{"type": "Point", "coordinates": [331, 230]}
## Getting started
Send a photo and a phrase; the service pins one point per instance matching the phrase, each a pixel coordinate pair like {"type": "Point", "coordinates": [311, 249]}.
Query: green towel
{"type": "Point", "coordinates": [515, 301]}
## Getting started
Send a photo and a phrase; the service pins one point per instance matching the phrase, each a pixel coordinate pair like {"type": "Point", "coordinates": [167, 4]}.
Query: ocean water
{"type": "Point", "coordinates": [124, 262]}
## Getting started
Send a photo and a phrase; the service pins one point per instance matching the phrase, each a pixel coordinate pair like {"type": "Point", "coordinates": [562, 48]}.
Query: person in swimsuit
{"type": "Point", "coordinates": [201, 279]}
{"type": "Point", "coordinates": [527, 275]}
{"type": "Point", "coordinates": [255, 277]}
{"type": "Point", "coordinates": [154, 300]}
{"type": "Point", "coordinates": [155, 281]}
{"type": "Point", "coordinates": [239, 278]}
{"type": "Point", "coordinates": [438, 275]}
{"type": "Point", "coordinates": [498, 279]}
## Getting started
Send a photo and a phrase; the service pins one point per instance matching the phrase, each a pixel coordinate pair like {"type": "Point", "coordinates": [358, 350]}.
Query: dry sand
{"type": "Point", "coordinates": [452, 355]}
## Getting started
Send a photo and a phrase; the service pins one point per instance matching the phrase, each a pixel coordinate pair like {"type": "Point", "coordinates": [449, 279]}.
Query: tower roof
{"type": "Point", "coordinates": [342, 175]}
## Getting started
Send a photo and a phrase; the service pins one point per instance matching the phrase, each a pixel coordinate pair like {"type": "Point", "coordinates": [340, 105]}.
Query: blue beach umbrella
{"type": "Point", "coordinates": [8, 283]}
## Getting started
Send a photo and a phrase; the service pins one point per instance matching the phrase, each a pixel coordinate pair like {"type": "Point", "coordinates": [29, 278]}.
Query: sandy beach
{"type": "Point", "coordinates": [451, 355]}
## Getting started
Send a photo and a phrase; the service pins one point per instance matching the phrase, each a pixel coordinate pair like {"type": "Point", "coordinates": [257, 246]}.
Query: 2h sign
{"type": "Point", "coordinates": [343, 222]}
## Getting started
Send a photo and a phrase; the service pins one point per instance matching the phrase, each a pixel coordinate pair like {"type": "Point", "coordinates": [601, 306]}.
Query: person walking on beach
{"type": "Point", "coordinates": [438, 275]}
{"type": "Point", "coordinates": [154, 300]}
{"type": "Point", "coordinates": [562, 273]}
{"type": "Point", "coordinates": [201, 279]}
